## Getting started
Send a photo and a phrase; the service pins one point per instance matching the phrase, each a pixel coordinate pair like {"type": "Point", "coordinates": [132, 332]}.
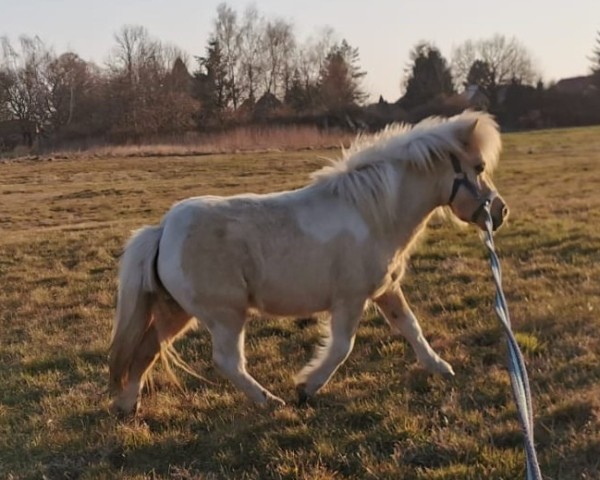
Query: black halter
{"type": "Point", "coordinates": [461, 179]}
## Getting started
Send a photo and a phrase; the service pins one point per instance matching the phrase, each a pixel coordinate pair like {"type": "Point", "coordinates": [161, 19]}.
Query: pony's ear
{"type": "Point", "coordinates": [466, 133]}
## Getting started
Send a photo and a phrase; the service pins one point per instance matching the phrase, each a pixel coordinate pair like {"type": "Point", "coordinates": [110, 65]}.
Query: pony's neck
{"type": "Point", "coordinates": [418, 196]}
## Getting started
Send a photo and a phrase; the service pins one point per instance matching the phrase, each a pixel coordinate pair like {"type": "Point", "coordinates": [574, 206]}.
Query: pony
{"type": "Point", "coordinates": [332, 246]}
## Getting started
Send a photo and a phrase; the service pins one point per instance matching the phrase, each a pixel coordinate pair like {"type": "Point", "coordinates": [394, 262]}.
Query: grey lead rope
{"type": "Point", "coordinates": [516, 365]}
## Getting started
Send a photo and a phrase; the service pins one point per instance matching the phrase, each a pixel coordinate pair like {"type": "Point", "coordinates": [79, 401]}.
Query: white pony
{"type": "Point", "coordinates": [331, 246]}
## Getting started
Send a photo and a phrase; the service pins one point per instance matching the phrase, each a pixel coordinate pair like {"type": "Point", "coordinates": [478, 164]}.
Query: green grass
{"type": "Point", "coordinates": [63, 224]}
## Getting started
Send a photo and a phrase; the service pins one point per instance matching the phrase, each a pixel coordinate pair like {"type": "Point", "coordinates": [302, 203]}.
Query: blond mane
{"type": "Point", "coordinates": [367, 173]}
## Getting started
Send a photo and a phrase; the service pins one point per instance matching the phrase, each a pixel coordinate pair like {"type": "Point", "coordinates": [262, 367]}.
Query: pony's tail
{"type": "Point", "coordinates": [138, 283]}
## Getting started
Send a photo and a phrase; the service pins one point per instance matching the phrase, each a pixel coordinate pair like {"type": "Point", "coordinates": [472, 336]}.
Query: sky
{"type": "Point", "coordinates": [560, 34]}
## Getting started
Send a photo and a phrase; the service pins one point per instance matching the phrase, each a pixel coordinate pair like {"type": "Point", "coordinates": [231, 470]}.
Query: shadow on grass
{"type": "Point", "coordinates": [229, 443]}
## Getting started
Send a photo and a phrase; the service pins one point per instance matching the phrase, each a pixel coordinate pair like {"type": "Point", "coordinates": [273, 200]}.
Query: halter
{"type": "Point", "coordinates": [461, 179]}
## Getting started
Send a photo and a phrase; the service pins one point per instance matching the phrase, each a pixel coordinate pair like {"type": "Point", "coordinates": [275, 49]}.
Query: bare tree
{"type": "Point", "coordinates": [227, 34]}
{"type": "Point", "coordinates": [289, 65]}
{"type": "Point", "coordinates": [133, 66]}
{"type": "Point", "coordinates": [252, 62]}
{"type": "Point", "coordinates": [169, 55]}
{"type": "Point", "coordinates": [312, 55]}
{"type": "Point", "coordinates": [24, 80]}
{"type": "Point", "coordinates": [70, 78]}
{"type": "Point", "coordinates": [595, 58]}
{"type": "Point", "coordinates": [150, 85]}
{"type": "Point", "coordinates": [309, 61]}
{"type": "Point", "coordinates": [279, 44]}
{"type": "Point", "coordinates": [48, 93]}
{"type": "Point", "coordinates": [507, 59]}
{"type": "Point", "coordinates": [134, 51]}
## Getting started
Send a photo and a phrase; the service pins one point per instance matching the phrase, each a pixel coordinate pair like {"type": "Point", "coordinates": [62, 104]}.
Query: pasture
{"type": "Point", "coordinates": [63, 224]}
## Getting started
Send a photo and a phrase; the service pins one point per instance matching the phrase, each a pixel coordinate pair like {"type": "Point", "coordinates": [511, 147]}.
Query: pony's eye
{"type": "Point", "coordinates": [479, 168]}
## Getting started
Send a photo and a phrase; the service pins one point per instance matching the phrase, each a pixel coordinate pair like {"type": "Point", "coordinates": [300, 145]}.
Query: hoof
{"type": "Point", "coordinates": [273, 401]}
{"type": "Point", "coordinates": [439, 366]}
{"type": "Point", "coordinates": [446, 370]}
{"type": "Point", "coordinates": [124, 412]}
{"type": "Point", "coordinates": [303, 397]}
{"type": "Point", "coordinates": [268, 401]}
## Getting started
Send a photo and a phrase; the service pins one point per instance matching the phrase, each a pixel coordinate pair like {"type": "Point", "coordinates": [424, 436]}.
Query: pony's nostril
{"type": "Point", "coordinates": [504, 211]}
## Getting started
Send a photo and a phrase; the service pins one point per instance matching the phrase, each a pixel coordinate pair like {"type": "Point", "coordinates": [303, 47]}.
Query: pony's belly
{"type": "Point", "coordinates": [292, 303]}
{"type": "Point", "coordinates": [286, 310]}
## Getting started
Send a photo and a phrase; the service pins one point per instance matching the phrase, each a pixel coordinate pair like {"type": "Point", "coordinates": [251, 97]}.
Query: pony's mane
{"type": "Point", "coordinates": [366, 174]}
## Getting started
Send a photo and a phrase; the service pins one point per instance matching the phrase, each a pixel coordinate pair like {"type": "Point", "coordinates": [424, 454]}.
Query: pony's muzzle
{"type": "Point", "coordinates": [499, 211]}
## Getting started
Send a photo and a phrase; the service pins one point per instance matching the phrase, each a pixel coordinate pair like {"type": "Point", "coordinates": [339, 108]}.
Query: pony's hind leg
{"type": "Point", "coordinates": [343, 325]}
{"type": "Point", "coordinates": [146, 353]}
{"type": "Point", "coordinates": [226, 327]}
{"type": "Point", "coordinates": [168, 321]}
{"type": "Point", "coordinates": [402, 320]}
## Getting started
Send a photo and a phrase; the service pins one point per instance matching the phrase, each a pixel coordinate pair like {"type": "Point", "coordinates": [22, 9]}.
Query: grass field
{"type": "Point", "coordinates": [62, 227]}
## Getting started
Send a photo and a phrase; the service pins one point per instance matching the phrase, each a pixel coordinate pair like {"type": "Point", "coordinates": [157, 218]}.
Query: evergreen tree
{"type": "Point", "coordinates": [210, 83]}
{"type": "Point", "coordinates": [179, 78]}
{"type": "Point", "coordinates": [480, 74]}
{"type": "Point", "coordinates": [296, 96]}
{"type": "Point", "coordinates": [339, 83]}
{"type": "Point", "coordinates": [429, 76]}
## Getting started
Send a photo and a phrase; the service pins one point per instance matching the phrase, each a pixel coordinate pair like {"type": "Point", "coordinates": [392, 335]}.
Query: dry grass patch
{"type": "Point", "coordinates": [63, 225]}
{"type": "Point", "coordinates": [254, 138]}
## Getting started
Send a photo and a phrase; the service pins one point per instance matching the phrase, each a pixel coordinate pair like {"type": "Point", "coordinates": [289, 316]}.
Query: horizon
{"type": "Point", "coordinates": [560, 41]}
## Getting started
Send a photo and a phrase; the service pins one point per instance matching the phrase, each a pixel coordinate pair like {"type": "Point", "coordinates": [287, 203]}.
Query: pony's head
{"type": "Point", "coordinates": [467, 178]}
{"type": "Point", "coordinates": [460, 153]}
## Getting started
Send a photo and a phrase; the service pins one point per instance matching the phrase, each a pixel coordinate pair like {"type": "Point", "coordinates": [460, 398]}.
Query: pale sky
{"type": "Point", "coordinates": [560, 34]}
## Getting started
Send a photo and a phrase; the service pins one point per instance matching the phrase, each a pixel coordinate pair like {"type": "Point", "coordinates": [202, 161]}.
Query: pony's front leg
{"type": "Point", "coordinates": [226, 327]}
{"type": "Point", "coordinates": [402, 320]}
{"type": "Point", "coordinates": [339, 343]}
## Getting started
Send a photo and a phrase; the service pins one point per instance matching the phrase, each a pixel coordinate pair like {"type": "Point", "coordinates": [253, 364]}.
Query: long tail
{"type": "Point", "coordinates": [138, 284]}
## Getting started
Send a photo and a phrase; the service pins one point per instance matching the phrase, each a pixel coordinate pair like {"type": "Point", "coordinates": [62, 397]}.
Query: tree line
{"type": "Point", "coordinates": [254, 69]}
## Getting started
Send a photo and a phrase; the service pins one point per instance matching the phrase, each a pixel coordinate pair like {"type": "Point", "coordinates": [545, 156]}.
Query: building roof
{"type": "Point", "coordinates": [581, 84]}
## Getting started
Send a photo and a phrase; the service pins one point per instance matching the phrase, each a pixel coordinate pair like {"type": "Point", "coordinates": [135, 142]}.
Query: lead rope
{"type": "Point", "coordinates": [516, 365]}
